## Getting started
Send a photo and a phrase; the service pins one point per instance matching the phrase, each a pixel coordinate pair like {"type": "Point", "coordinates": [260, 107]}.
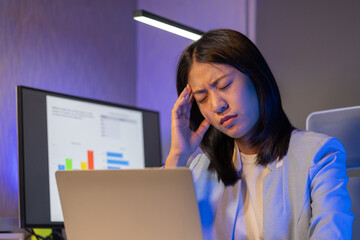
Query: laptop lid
{"type": "Point", "coordinates": [129, 204]}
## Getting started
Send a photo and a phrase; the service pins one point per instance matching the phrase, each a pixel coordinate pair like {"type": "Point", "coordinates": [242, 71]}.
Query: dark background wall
{"type": "Point", "coordinates": [85, 48]}
{"type": "Point", "coordinates": [313, 49]}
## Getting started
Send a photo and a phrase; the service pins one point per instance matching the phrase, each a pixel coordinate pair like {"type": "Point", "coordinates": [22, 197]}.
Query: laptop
{"type": "Point", "coordinates": [129, 204]}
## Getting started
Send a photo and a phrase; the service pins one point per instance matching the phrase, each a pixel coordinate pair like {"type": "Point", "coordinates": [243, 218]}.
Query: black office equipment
{"type": "Point", "coordinates": [63, 132]}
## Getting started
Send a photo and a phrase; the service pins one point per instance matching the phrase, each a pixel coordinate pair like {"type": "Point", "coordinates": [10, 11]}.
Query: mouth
{"type": "Point", "coordinates": [227, 118]}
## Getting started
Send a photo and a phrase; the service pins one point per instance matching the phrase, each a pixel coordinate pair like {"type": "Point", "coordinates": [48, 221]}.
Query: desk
{"type": "Point", "coordinates": [12, 236]}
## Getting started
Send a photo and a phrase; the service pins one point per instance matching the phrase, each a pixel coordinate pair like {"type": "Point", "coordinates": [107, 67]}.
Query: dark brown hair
{"type": "Point", "coordinates": [271, 134]}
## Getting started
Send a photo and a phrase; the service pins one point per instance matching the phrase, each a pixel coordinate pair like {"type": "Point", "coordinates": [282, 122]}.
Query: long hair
{"type": "Point", "coordinates": [271, 133]}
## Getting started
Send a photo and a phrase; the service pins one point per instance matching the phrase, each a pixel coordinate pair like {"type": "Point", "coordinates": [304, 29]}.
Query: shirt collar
{"type": "Point", "coordinates": [238, 163]}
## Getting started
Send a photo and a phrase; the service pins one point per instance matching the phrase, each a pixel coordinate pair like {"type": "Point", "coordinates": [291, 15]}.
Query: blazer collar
{"type": "Point", "coordinates": [238, 163]}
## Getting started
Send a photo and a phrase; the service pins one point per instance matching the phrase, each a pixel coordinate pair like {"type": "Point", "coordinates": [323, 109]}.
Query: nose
{"type": "Point", "coordinates": [219, 104]}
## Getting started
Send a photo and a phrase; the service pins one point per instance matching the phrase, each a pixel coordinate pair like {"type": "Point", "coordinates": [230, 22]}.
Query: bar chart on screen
{"type": "Point", "coordinates": [116, 161]}
{"type": "Point", "coordinates": [84, 165]}
{"type": "Point", "coordinates": [86, 136]}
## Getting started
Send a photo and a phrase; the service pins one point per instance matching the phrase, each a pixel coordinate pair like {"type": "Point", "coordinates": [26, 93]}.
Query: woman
{"type": "Point", "coordinates": [259, 177]}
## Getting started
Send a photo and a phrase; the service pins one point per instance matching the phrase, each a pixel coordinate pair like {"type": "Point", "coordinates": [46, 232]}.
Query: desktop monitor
{"type": "Point", "coordinates": [63, 132]}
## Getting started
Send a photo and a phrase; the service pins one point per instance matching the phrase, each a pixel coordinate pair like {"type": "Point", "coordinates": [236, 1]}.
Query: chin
{"type": "Point", "coordinates": [233, 133]}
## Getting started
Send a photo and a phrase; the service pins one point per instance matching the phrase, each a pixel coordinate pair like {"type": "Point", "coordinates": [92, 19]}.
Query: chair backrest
{"type": "Point", "coordinates": [344, 124]}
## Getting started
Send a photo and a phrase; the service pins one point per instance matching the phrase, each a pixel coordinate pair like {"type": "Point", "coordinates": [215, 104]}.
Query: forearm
{"type": "Point", "coordinates": [175, 160]}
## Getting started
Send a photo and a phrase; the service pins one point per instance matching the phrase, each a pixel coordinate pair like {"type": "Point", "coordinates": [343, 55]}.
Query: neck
{"type": "Point", "coordinates": [245, 147]}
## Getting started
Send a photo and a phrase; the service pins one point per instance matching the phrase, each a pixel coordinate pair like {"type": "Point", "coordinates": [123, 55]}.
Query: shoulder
{"type": "Point", "coordinates": [308, 141]}
{"type": "Point", "coordinates": [307, 138]}
{"type": "Point", "coordinates": [310, 148]}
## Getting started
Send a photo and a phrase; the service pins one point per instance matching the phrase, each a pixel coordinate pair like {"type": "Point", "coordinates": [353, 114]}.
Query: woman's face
{"type": "Point", "coordinates": [226, 98]}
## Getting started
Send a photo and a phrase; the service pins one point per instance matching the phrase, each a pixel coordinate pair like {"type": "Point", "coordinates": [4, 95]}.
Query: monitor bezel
{"type": "Point", "coordinates": [21, 157]}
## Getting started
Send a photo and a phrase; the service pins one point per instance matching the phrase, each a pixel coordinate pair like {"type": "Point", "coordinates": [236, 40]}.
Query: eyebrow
{"type": "Point", "coordinates": [211, 84]}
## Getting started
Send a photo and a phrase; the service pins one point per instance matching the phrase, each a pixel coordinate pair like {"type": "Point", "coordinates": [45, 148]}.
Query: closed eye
{"type": "Point", "coordinates": [202, 100]}
{"type": "Point", "coordinates": [226, 86]}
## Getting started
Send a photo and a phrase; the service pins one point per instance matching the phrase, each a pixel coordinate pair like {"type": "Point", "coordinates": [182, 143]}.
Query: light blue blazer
{"type": "Point", "coordinates": [304, 195]}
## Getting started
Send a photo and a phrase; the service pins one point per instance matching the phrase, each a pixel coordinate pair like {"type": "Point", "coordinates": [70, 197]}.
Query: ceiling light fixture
{"type": "Point", "coordinates": [167, 25]}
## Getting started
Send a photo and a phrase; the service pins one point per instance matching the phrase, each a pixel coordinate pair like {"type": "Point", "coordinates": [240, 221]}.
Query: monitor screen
{"type": "Point", "coordinates": [59, 132]}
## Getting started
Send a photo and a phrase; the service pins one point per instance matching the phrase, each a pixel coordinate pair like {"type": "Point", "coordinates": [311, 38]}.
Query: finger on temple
{"type": "Point", "coordinates": [188, 109]}
{"type": "Point", "coordinates": [180, 98]}
{"type": "Point", "coordinates": [183, 109]}
{"type": "Point", "coordinates": [176, 111]}
{"type": "Point", "coordinates": [189, 87]}
{"type": "Point", "coordinates": [180, 102]}
{"type": "Point", "coordinates": [179, 108]}
{"type": "Point", "coordinates": [184, 92]}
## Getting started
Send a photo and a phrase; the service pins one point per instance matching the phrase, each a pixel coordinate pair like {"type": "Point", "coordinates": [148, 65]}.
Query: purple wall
{"type": "Point", "coordinates": [84, 47]}
{"type": "Point", "coordinates": [158, 51]}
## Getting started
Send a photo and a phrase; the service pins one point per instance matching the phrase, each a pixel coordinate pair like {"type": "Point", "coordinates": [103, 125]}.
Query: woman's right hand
{"type": "Point", "coordinates": [183, 140]}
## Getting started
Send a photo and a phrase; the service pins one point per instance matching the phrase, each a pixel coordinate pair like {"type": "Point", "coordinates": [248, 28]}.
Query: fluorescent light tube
{"type": "Point", "coordinates": [167, 25]}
